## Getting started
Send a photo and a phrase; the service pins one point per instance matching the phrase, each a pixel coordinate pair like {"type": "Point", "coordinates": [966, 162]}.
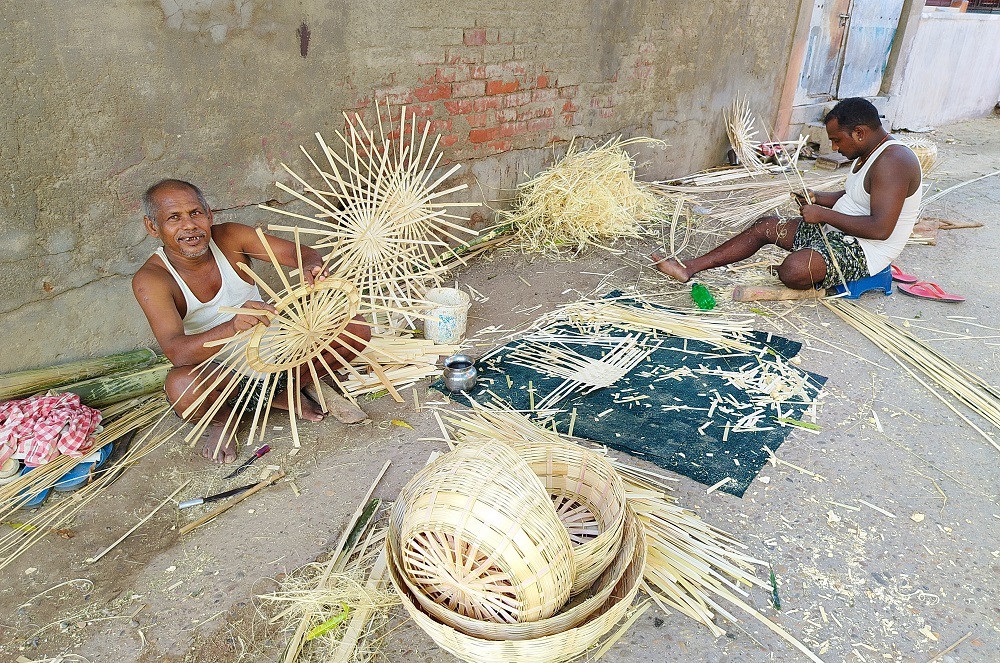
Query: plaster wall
{"type": "Point", "coordinates": [952, 71]}
{"type": "Point", "coordinates": [103, 98]}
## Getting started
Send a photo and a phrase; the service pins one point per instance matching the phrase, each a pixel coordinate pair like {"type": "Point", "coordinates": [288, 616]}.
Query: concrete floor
{"type": "Point", "coordinates": [856, 583]}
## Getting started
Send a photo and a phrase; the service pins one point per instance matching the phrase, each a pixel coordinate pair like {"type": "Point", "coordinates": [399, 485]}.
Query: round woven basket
{"type": "Point", "coordinates": [308, 319]}
{"type": "Point", "coordinates": [589, 498]}
{"type": "Point", "coordinates": [475, 533]}
{"type": "Point", "coordinates": [925, 149]}
{"type": "Point", "coordinates": [572, 614]}
{"type": "Point", "coordinates": [555, 648]}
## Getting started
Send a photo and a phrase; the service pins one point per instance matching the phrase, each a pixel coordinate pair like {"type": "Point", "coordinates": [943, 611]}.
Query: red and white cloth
{"type": "Point", "coordinates": [40, 428]}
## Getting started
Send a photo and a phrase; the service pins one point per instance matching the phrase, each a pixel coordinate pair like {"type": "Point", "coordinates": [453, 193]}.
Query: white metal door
{"type": "Point", "coordinates": [870, 34]}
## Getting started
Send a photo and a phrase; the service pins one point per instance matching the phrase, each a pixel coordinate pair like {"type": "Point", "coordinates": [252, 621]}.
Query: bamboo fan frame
{"type": "Point", "coordinates": [476, 534]}
{"type": "Point", "coordinates": [378, 209]}
{"type": "Point", "coordinates": [742, 134]}
{"type": "Point", "coordinates": [310, 319]}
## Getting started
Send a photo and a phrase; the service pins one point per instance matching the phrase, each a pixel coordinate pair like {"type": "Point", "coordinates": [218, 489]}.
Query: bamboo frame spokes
{"type": "Point", "coordinates": [379, 209]}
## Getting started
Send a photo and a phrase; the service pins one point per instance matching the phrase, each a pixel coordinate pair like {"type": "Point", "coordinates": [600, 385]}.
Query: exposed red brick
{"type": "Point", "coordinates": [459, 107]}
{"type": "Point", "coordinates": [507, 115]}
{"type": "Point", "coordinates": [487, 103]}
{"type": "Point", "coordinates": [568, 119]}
{"type": "Point", "coordinates": [542, 81]}
{"type": "Point", "coordinates": [517, 99]}
{"type": "Point", "coordinates": [570, 107]}
{"type": "Point", "coordinates": [501, 87]}
{"type": "Point", "coordinates": [394, 96]}
{"type": "Point", "coordinates": [512, 129]}
{"type": "Point", "coordinates": [502, 145]}
{"type": "Point", "coordinates": [436, 126]}
{"type": "Point", "coordinates": [541, 124]}
{"type": "Point", "coordinates": [433, 92]}
{"type": "Point", "coordinates": [516, 68]}
{"type": "Point", "coordinates": [474, 37]}
{"type": "Point", "coordinates": [484, 135]}
{"type": "Point", "coordinates": [448, 141]}
{"type": "Point", "coordinates": [443, 75]}
{"type": "Point", "coordinates": [421, 110]}
{"type": "Point", "coordinates": [468, 89]}
{"type": "Point", "coordinates": [477, 71]}
{"type": "Point", "coordinates": [476, 119]}
{"type": "Point", "coordinates": [545, 95]}
{"type": "Point", "coordinates": [569, 91]}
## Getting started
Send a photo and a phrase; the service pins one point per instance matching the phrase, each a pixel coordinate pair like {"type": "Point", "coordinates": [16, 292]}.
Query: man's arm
{"type": "Point", "coordinates": [152, 291]}
{"type": "Point", "coordinates": [245, 240]}
{"type": "Point", "coordinates": [891, 181]}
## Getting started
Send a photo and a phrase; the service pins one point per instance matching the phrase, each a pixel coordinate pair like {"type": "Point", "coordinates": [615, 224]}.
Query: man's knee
{"type": "Point", "coordinates": [802, 269]}
{"type": "Point", "coordinates": [178, 387]}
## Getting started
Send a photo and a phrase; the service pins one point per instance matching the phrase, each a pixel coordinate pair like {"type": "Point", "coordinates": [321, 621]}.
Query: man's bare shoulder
{"type": "Point", "coordinates": [152, 273]}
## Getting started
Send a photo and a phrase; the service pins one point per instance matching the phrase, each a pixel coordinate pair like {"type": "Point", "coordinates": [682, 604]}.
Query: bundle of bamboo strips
{"type": "Point", "coordinates": [404, 360]}
{"type": "Point", "coordinates": [585, 199]}
{"type": "Point", "coordinates": [120, 420]}
{"type": "Point", "coordinates": [26, 383]}
{"type": "Point", "coordinates": [378, 210]}
{"type": "Point", "coordinates": [690, 564]}
{"type": "Point", "coordinates": [965, 386]}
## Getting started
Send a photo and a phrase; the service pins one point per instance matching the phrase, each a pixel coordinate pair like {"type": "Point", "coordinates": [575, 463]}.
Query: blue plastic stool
{"type": "Point", "coordinates": [857, 288]}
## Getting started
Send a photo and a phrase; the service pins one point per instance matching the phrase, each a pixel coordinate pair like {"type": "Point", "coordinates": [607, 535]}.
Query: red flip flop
{"type": "Point", "coordinates": [927, 290]}
{"type": "Point", "coordinates": [900, 276]}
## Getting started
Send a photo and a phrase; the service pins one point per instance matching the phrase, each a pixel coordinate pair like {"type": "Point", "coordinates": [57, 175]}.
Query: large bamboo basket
{"type": "Point", "coordinates": [589, 497]}
{"type": "Point", "coordinates": [475, 532]}
{"type": "Point", "coordinates": [555, 648]}
{"type": "Point", "coordinates": [572, 614]}
{"type": "Point", "coordinates": [925, 149]}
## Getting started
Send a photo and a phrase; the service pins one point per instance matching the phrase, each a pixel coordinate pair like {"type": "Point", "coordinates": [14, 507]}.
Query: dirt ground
{"type": "Point", "coordinates": [860, 584]}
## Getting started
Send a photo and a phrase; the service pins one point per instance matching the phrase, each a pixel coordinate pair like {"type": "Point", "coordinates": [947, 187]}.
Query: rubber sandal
{"type": "Point", "coordinates": [900, 276]}
{"type": "Point", "coordinates": [928, 290]}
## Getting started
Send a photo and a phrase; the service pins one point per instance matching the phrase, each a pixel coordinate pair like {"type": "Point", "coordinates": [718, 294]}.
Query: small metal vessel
{"type": "Point", "coordinates": [460, 373]}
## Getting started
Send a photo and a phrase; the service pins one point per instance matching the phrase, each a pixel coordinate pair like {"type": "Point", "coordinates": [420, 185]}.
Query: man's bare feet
{"type": "Point", "coordinates": [310, 411]}
{"type": "Point", "coordinates": [220, 454]}
{"type": "Point", "coordinates": [670, 267]}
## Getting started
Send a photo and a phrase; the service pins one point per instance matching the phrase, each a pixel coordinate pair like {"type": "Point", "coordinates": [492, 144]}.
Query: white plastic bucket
{"type": "Point", "coordinates": [446, 320]}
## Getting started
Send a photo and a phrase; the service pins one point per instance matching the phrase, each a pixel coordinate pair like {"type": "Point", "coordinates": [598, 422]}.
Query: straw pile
{"type": "Point", "coordinates": [587, 198]}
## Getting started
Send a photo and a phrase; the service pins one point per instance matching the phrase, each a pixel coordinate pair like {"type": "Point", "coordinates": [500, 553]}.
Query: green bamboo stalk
{"type": "Point", "coordinates": [121, 386]}
{"type": "Point", "coordinates": [26, 383]}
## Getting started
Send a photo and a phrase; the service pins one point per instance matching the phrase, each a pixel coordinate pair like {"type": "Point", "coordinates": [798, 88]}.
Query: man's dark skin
{"type": "Point", "coordinates": [893, 177]}
{"type": "Point", "coordinates": [184, 225]}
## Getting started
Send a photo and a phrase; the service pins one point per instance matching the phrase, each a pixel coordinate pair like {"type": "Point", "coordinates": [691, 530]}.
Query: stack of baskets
{"type": "Point", "coordinates": [524, 553]}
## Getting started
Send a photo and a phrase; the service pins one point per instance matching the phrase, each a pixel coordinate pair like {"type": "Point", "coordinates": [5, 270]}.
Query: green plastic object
{"type": "Point", "coordinates": [702, 297]}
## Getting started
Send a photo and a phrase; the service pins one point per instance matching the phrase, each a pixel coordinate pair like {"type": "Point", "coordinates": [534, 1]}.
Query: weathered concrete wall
{"type": "Point", "coordinates": [103, 98]}
{"type": "Point", "coordinates": [952, 71]}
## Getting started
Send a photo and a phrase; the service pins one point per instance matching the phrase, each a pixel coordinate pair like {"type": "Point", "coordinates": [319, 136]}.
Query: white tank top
{"type": "Point", "coordinates": [857, 202]}
{"type": "Point", "coordinates": [202, 316]}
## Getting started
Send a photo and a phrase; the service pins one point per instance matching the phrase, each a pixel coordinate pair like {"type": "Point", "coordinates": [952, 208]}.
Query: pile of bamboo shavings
{"type": "Point", "coordinates": [378, 208]}
{"type": "Point", "coordinates": [57, 512]}
{"type": "Point", "coordinates": [330, 600]}
{"type": "Point", "coordinates": [590, 197]}
{"type": "Point", "coordinates": [690, 564]}
{"type": "Point", "coordinates": [968, 388]}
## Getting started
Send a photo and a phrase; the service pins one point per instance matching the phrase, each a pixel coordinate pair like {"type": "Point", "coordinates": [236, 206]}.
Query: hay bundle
{"type": "Point", "coordinates": [588, 197]}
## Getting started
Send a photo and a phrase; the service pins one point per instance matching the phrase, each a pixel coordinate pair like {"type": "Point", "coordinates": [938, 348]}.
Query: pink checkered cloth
{"type": "Point", "coordinates": [40, 428]}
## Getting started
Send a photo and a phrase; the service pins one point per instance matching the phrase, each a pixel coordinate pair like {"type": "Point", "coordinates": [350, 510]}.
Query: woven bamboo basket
{"type": "Point", "coordinates": [925, 149]}
{"type": "Point", "coordinates": [556, 648]}
{"type": "Point", "coordinates": [475, 532]}
{"type": "Point", "coordinates": [589, 497]}
{"type": "Point", "coordinates": [572, 614]}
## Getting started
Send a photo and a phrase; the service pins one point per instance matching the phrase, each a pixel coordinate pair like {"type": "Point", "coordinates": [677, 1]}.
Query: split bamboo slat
{"type": "Point", "coordinates": [106, 390]}
{"type": "Point", "coordinates": [378, 209]}
{"type": "Point", "coordinates": [555, 648]}
{"type": "Point", "coordinates": [476, 532]}
{"type": "Point", "coordinates": [965, 386]}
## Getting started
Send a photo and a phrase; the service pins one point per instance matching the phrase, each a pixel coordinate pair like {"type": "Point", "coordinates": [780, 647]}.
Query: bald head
{"type": "Point", "coordinates": [149, 198]}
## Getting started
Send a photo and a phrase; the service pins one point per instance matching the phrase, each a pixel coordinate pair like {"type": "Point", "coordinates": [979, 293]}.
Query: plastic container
{"type": "Point", "coordinates": [448, 317]}
{"type": "Point", "coordinates": [702, 297]}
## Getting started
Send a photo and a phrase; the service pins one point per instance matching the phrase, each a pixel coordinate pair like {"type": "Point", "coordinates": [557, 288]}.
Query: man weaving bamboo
{"type": "Point", "coordinates": [865, 226]}
{"type": "Point", "coordinates": [182, 286]}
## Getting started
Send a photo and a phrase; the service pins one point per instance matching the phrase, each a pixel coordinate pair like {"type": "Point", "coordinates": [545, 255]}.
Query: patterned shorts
{"type": "Point", "coordinates": [257, 392]}
{"type": "Point", "coordinates": [850, 255]}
